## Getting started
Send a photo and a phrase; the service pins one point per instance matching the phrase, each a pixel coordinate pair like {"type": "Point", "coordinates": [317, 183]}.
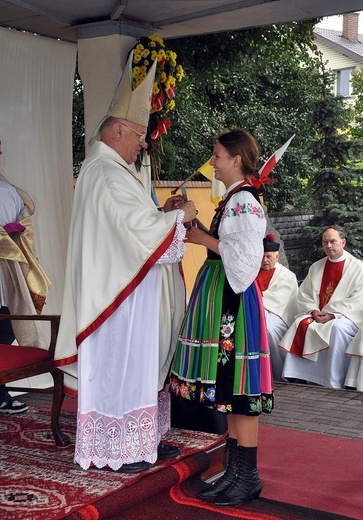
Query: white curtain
{"type": "Point", "coordinates": [36, 91]}
{"type": "Point", "coordinates": [36, 82]}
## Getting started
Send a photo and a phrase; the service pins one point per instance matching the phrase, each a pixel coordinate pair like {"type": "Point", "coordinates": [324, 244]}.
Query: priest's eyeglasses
{"type": "Point", "coordinates": [142, 137]}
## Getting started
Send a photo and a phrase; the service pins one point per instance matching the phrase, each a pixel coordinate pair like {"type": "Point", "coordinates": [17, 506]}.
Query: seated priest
{"type": "Point", "coordinates": [279, 290]}
{"type": "Point", "coordinates": [330, 303]}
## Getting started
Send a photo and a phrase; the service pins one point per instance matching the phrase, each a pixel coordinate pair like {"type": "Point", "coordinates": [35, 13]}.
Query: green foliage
{"type": "Point", "coordinates": [260, 79]}
{"type": "Point", "coordinates": [335, 187]}
{"type": "Point", "coordinates": [357, 83]}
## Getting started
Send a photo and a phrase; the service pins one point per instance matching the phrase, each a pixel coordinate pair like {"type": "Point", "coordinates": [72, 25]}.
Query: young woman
{"type": "Point", "coordinates": [222, 358]}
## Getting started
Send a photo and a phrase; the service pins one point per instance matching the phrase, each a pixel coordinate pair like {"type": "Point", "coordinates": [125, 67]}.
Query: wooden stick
{"type": "Point", "coordinates": [173, 192]}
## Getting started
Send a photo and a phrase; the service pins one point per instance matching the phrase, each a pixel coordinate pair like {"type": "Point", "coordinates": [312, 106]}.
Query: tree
{"type": "Point", "coordinates": [261, 79]}
{"type": "Point", "coordinates": [335, 186]}
{"type": "Point", "coordinates": [357, 127]}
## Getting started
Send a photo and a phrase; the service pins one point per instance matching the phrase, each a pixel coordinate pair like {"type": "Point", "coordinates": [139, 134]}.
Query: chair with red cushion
{"type": "Point", "coordinates": [18, 362]}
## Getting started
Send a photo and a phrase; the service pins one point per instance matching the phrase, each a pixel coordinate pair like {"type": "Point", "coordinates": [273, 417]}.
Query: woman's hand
{"type": "Point", "coordinates": [196, 235]}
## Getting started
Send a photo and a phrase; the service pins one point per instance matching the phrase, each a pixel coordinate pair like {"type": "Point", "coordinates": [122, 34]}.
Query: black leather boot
{"type": "Point", "coordinates": [246, 484]}
{"type": "Point", "coordinates": [226, 480]}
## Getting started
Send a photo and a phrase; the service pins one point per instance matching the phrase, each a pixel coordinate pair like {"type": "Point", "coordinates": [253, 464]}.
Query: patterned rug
{"type": "Point", "coordinates": [39, 481]}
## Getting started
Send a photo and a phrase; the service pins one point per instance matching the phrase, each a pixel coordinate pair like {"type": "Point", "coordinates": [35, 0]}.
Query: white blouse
{"type": "Point", "coordinates": [241, 232]}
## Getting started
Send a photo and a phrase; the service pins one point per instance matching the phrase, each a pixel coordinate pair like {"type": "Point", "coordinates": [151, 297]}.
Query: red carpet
{"type": "Point", "coordinates": [305, 476]}
{"type": "Point", "coordinates": [312, 470]}
{"type": "Point", "coordinates": [180, 502]}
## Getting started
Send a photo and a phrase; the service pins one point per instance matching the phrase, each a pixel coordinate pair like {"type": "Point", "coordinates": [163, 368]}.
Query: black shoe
{"type": "Point", "coordinates": [239, 493]}
{"type": "Point", "coordinates": [165, 451]}
{"type": "Point", "coordinates": [216, 489]}
{"type": "Point", "coordinates": [134, 467]}
{"type": "Point", "coordinates": [229, 476]}
{"type": "Point", "coordinates": [246, 484]}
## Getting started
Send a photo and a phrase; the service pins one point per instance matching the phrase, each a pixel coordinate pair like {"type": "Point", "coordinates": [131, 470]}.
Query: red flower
{"type": "Point", "coordinates": [184, 390]}
{"type": "Point", "coordinates": [227, 344]}
{"type": "Point", "coordinates": [161, 129]}
{"type": "Point", "coordinates": [157, 101]}
{"type": "Point", "coordinates": [170, 91]}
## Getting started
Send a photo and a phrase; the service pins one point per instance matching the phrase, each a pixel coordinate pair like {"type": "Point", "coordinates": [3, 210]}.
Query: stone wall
{"type": "Point", "coordinates": [290, 226]}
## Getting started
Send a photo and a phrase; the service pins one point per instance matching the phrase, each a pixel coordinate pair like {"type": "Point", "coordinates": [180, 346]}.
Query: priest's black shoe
{"type": "Point", "coordinates": [165, 451]}
{"type": "Point", "coordinates": [134, 467]}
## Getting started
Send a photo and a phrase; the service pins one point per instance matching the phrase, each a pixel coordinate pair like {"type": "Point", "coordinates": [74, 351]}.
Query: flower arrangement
{"type": "Point", "coordinates": [168, 73]}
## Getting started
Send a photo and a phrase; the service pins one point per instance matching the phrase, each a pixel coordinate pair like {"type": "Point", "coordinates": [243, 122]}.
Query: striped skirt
{"type": "Point", "coordinates": [222, 357]}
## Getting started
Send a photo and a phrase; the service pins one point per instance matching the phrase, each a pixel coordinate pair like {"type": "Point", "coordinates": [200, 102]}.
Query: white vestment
{"type": "Point", "coordinates": [279, 301]}
{"type": "Point", "coordinates": [354, 376]}
{"type": "Point", "coordinates": [123, 303]}
{"type": "Point", "coordinates": [324, 361]}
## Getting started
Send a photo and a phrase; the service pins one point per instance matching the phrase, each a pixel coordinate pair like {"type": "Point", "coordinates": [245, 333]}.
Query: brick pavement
{"type": "Point", "coordinates": [317, 409]}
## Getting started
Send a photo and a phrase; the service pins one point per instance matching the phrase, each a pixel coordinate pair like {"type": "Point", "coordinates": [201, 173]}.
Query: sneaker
{"type": "Point", "coordinates": [13, 407]}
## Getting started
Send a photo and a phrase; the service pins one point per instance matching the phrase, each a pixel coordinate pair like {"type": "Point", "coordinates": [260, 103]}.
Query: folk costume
{"type": "Point", "coordinates": [123, 304]}
{"type": "Point", "coordinates": [316, 351]}
{"type": "Point", "coordinates": [279, 291]}
{"type": "Point", "coordinates": [222, 357]}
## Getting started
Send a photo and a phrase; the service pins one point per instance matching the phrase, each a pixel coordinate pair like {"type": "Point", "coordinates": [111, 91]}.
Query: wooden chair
{"type": "Point", "coordinates": [18, 362]}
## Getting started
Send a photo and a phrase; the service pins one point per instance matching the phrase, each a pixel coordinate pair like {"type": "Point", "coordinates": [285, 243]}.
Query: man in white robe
{"type": "Point", "coordinates": [124, 295]}
{"type": "Point", "coordinates": [330, 303]}
{"type": "Point", "coordinates": [354, 378]}
{"type": "Point", "coordinates": [279, 289]}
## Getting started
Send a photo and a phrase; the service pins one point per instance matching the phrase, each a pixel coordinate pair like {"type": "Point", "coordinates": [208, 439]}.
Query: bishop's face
{"type": "Point", "coordinates": [133, 140]}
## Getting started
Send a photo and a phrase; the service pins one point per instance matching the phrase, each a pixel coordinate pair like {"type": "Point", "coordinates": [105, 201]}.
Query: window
{"type": "Point", "coordinates": [344, 87]}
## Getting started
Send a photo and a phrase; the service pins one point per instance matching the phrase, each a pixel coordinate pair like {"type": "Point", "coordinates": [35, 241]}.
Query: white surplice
{"type": "Point", "coordinates": [123, 304]}
{"type": "Point", "coordinates": [279, 301]}
{"type": "Point", "coordinates": [354, 353]}
{"type": "Point", "coordinates": [324, 361]}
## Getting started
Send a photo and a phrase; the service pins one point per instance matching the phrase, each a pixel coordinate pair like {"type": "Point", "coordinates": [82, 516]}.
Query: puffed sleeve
{"type": "Point", "coordinates": [241, 234]}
